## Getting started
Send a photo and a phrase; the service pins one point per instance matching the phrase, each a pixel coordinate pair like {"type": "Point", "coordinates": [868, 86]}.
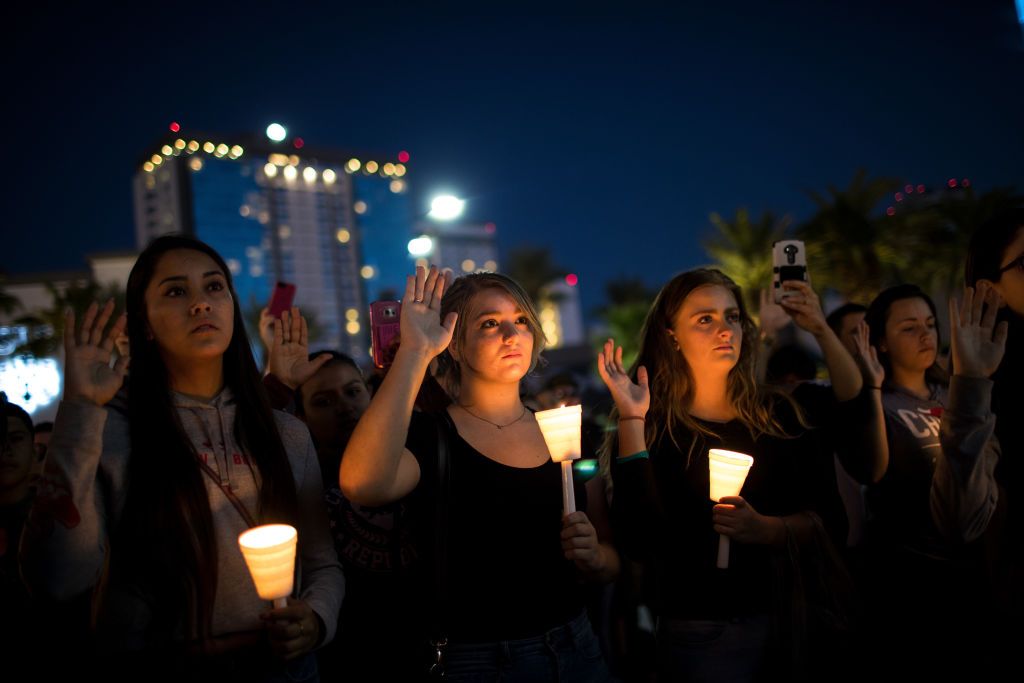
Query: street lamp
{"type": "Point", "coordinates": [276, 132]}
{"type": "Point", "coordinates": [446, 207]}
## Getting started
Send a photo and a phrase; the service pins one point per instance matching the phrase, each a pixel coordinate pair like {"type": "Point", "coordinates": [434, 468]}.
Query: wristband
{"type": "Point", "coordinates": [633, 417]}
{"type": "Point", "coordinates": [642, 455]}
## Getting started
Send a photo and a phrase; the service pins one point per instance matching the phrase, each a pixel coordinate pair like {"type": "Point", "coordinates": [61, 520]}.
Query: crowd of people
{"type": "Point", "coordinates": [878, 532]}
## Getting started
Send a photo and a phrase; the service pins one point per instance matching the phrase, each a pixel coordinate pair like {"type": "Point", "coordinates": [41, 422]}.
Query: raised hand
{"type": "Point", "coordinates": [631, 398]}
{"type": "Point", "coordinates": [867, 356]}
{"type": "Point", "coordinates": [266, 328]}
{"type": "Point", "coordinates": [422, 330]}
{"type": "Point", "coordinates": [977, 342]}
{"type": "Point", "coordinates": [88, 374]}
{"type": "Point", "coordinates": [804, 307]}
{"type": "Point", "coordinates": [773, 317]}
{"type": "Point", "coordinates": [289, 350]}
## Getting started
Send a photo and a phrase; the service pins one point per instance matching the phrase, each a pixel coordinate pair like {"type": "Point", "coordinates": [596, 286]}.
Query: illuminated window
{"type": "Point", "coordinates": [343, 236]}
{"type": "Point", "coordinates": [371, 166]}
{"type": "Point", "coordinates": [359, 207]}
{"type": "Point", "coordinates": [367, 272]}
{"type": "Point", "coordinates": [468, 265]}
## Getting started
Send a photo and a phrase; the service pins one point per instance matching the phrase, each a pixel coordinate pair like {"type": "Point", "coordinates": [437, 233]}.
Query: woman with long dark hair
{"type": "Point", "coordinates": [509, 562]}
{"type": "Point", "coordinates": [152, 486]}
{"type": "Point", "coordinates": [693, 387]}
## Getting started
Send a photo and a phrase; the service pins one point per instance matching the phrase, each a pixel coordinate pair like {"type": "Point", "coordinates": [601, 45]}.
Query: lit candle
{"type": "Point", "coordinates": [561, 428]}
{"type": "Point", "coordinates": [269, 553]}
{"type": "Point", "coordinates": [728, 470]}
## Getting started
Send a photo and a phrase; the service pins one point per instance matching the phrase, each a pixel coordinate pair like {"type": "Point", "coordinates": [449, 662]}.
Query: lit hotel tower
{"type": "Point", "coordinates": [333, 223]}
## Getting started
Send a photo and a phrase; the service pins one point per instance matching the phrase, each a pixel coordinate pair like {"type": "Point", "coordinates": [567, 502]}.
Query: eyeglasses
{"type": "Point", "coordinates": [1017, 263]}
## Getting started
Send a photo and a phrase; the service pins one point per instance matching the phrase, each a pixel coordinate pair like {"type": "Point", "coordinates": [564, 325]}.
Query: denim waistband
{"type": "Point", "coordinates": [570, 632]}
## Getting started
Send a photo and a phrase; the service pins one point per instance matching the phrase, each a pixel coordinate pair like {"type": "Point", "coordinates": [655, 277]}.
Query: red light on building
{"type": "Point", "coordinates": [571, 279]}
{"type": "Point", "coordinates": [920, 189]}
{"type": "Point", "coordinates": [891, 211]}
{"type": "Point", "coordinates": [951, 182]}
{"type": "Point", "coordinates": [298, 143]}
{"type": "Point", "coordinates": [965, 182]}
{"type": "Point", "coordinates": [490, 227]}
{"type": "Point", "coordinates": [899, 196]}
{"type": "Point", "coordinates": [909, 189]}
{"type": "Point", "coordinates": [403, 157]}
{"type": "Point", "coordinates": [174, 127]}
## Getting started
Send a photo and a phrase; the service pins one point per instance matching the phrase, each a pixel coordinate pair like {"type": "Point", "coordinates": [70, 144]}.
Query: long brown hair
{"type": "Point", "coordinates": [458, 298]}
{"type": "Point", "coordinates": [672, 382]}
{"type": "Point", "coordinates": [176, 568]}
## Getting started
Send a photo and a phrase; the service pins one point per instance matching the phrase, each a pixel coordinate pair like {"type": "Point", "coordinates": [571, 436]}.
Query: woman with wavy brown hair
{"type": "Point", "coordinates": [693, 388]}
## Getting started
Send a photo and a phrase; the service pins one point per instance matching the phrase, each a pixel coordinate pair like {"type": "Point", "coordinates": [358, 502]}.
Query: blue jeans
{"type": "Point", "coordinates": [697, 650]}
{"type": "Point", "coordinates": [564, 654]}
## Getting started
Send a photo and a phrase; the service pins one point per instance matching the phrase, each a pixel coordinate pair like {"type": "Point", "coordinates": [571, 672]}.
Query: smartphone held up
{"type": "Point", "coordinates": [789, 262]}
{"type": "Point", "coordinates": [384, 331]}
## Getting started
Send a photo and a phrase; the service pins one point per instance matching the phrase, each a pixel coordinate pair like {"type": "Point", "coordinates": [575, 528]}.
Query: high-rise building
{"type": "Point", "coordinates": [334, 223]}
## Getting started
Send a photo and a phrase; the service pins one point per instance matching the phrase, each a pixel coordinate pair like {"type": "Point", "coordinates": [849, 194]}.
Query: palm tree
{"type": "Point", "coordinates": [850, 244]}
{"type": "Point", "coordinates": [629, 299]}
{"type": "Point", "coordinates": [742, 249]}
{"type": "Point", "coordinates": [47, 326]}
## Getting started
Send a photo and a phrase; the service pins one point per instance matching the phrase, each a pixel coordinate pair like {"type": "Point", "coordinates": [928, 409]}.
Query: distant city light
{"type": "Point", "coordinates": [32, 383]}
{"type": "Point", "coordinates": [179, 143]}
{"type": "Point", "coordinates": [269, 170]}
{"type": "Point", "coordinates": [352, 314]}
{"type": "Point", "coordinates": [174, 127]}
{"type": "Point", "coordinates": [399, 170]}
{"type": "Point", "coordinates": [490, 228]}
{"type": "Point", "coordinates": [446, 207]}
{"type": "Point", "coordinates": [359, 207]}
{"type": "Point", "coordinates": [397, 186]}
{"type": "Point", "coordinates": [195, 163]}
{"type": "Point", "coordinates": [389, 168]}
{"type": "Point", "coordinates": [571, 279]}
{"type": "Point", "coordinates": [193, 145]}
{"type": "Point", "coordinates": [148, 167]}
{"type": "Point", "coordinates": [157, 159]}
{"type": "Point", "coordinates": [208, 147]}
{"type": "Point", "coordinates": [421, 246]}
{"type": "Point", "coordinates": [329, 176]}
{"type": "Point", "coordinates": [371, 166]}
{"type": "Point", "coordinates": [491, 265]}
{"type": "Point", "coordinates": [309, 174]}
{"type": "Point", "coordinates": [236, 151]}
{"type": "Point", "coordinates": [276, 132]}
{"type": "Point", "coordinates": [469, 265]}
{"type": "Point", "coordinates": [909, 189]}
{"type": "Point", "coordinates": [920, 189]}
{"type": "Point", "coordinates": [352, 327]}
{"type": "Point", "coordinates": [343, 236]}
{"type": "Point", "coordinates": [966, 182]}
{"type": "Point", "coordinates": [891, 211]}
{"type": "Point", "coordinates": [403, 156]}
{"type": "Point", "coordinates": [166, 150]}
{"type": "Point", "coordinates": [951, 182]}
{"type": "Point", "coordinates": [290, 173]}
{"type": "Point", "coordinates": [367, 272]}
{"type": "Point", "coordinates": [298, 143]}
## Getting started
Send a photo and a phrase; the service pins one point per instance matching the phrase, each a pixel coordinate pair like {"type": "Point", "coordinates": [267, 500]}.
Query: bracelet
{"type": "Point", "coordinates": [642, 455]}
{"type": "Point", "coordinates": [868, 386]}
{"type": "Point", "coordinates": [633, 417]}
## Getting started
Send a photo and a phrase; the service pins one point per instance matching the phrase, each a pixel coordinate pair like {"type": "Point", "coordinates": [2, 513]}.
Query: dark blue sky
{"type": "Point", "coordinates": [605, 134]}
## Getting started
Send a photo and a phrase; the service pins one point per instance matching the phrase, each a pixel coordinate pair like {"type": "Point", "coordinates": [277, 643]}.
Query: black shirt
{"type": "Point", "coordinates": [662, 512]}
{"type": "Point", "coordinates": [507, 575]}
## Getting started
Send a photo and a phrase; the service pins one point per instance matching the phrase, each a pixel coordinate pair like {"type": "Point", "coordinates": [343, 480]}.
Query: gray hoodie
{"type": "Point", "coordinates": [83, 495]}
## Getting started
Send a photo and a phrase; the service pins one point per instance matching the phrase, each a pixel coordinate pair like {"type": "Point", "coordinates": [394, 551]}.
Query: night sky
{"type": "Point", "coordinates": [607, 135]}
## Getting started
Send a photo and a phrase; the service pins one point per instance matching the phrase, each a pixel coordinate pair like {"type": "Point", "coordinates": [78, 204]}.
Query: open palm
{"type": "Point", "coordinates": [421, 327]}
{"type": "Point", "coordinates": [631, 398]}
{"type": "Point", "coordinates": [88, 373]}
{"type": "Point", "coordinates": [289, 350]}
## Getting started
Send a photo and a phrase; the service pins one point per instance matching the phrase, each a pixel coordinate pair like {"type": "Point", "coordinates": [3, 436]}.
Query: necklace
{"type": "Point", "coordinates": [484, 419]}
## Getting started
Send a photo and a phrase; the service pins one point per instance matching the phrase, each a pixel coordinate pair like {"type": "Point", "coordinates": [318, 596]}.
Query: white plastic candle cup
{"type": "Point", "coordinates": [561, 428]}
{"type": "Point", "coordinates": [269, 553]}
{"type": "Point", "coordinates": [728, 470]}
